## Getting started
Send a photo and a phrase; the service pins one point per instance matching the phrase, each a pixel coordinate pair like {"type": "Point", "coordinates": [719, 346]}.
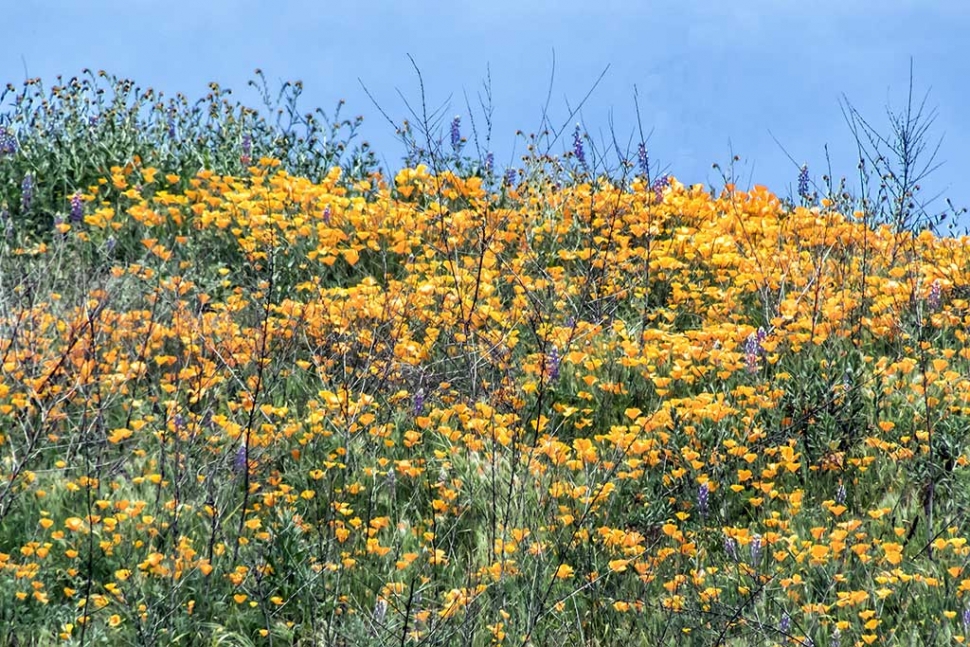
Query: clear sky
{"type": "Point", "coordinates": [714, 78]}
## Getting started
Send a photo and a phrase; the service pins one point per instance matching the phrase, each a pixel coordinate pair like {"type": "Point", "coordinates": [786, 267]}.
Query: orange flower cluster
{"type": "Point", "coordinates": [390, 408]}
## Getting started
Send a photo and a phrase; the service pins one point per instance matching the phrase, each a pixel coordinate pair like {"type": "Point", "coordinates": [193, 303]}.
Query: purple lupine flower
{"type": "Point", "coordinates": [247, 150]}
{"type": "Point", "coordinates": [644, 160]}
{"type": "Point", "coordinates": [756, 551]}
{"type": "Point", "coordinates": [27, 192]}
{"type": "Point", "coordinates": [489, 163]}
{"type": "Point", "coordinates": [966, 620]}
{"type": "Point", "coordinates": [751, 344]}
{"type": "Point", "coordinates": [510, 177]}
{"type": "Point", "coordinates": [552, 364]}
{"type": "Point", "coordinates": [456, 133]}
{"type": "Point", "coordinates": [8, 145]}
{"type": "Point", "coordinates": [77, 208]}
{"type": "Point", "coordinates": [753, 349]}
{"type": "Point", "coordinates": [785, 625]}
{"type": "Point", "coordinates": [836, 638]}
{"type": "Point", "coordinates": [241, 460]}
{"type": "Point", "coordinates": [380, 611]}
{"type": "Point", "coordinates": [659, 185]}
{"type": "Point", "coordinates": [326, 214]}
{"type": "Point", "coordinates": [703, 498]}
{"type": "Point", "coordinates": [803, 182]}
{"type": "Point", "coordinates": [578, 147]}
{"type": "Point", "coordinates": [110, 244]}
{"type": "Point", "coordinates": [419, 401]}
{"type": "Point", "coordinates": [933, 300]}
{"type": "Point", "coordinates": [731, 548]}
{"type": "Point", "coordinates": [840, 494]}
{"type": "Point", "coordinates": [390, 481]}
{"type": "Point", "coordinates": [178, 421]}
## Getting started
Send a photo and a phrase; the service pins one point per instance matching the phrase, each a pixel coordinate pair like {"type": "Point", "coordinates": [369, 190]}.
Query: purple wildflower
{"type": "Point", "coordinates": [731, 548]}
{"type": "Point", "coordinates": [644, 160]}
{"type": "Point", "coordinates": [456, 133]}
{"type": "Point", "coordinates": [8, 145]}
{"type": "Point", "coordinates": [390, 481]}
{"type": "Point", "coordinates": [785, 625]}
{"type": "Point", "coordinates": [752, 350]}
{"type": "Point", "coordinates": [966, 620]}
{"type": "Point", "coordinates": [803, 182]}
{"type": "Point", "coordinates": [703, 498]}
{"type": "Point", "coordinates": [419, 401]}
{"type": "Point", "coordinates": [578, 147]}
{"type": "Point", "coordinates": [326, 214]}
{"type": "Point", "coordinates": [241, 460]}
{"type": "Point", "coordinates": [77, 207]}
{"type": "Point", "coordinates": [659, 185]}
{"type": "Point", "coordinates": [836, 638]}
{"type": "Point", "coordinates": [26, 192]}
{"type": "Point", "coordinates": [489, 163]}
{"type": "Point", "coordinates": [552, 364]}
{"type": "Point", "coordinates": [380, 611]}
{"type": "Point", "coordinates": [110, 244]}
{"type": "Point", "coordinates": [933, 300]}
{"type": "Point", "coordinates": [840, 494]}
{"type": "Point", "coordinates": [756, 551]}
{"type": "Point", "coordinates": [510, 177]}
{"type": "Point", "coordinates": [751, 346]}
{"type": "Point", "coordinates": [247, 150]}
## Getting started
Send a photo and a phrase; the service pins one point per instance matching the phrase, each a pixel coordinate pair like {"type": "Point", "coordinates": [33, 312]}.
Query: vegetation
{"type": "Point", "coordinates": [255, 391]}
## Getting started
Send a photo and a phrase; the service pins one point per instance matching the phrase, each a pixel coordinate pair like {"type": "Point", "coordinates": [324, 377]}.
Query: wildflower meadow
{"type": "Point", "coordinates": [257, 390]}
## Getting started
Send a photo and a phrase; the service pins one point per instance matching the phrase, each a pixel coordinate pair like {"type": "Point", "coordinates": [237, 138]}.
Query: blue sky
{"type": "Point", "coordinates": [714, 78]}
